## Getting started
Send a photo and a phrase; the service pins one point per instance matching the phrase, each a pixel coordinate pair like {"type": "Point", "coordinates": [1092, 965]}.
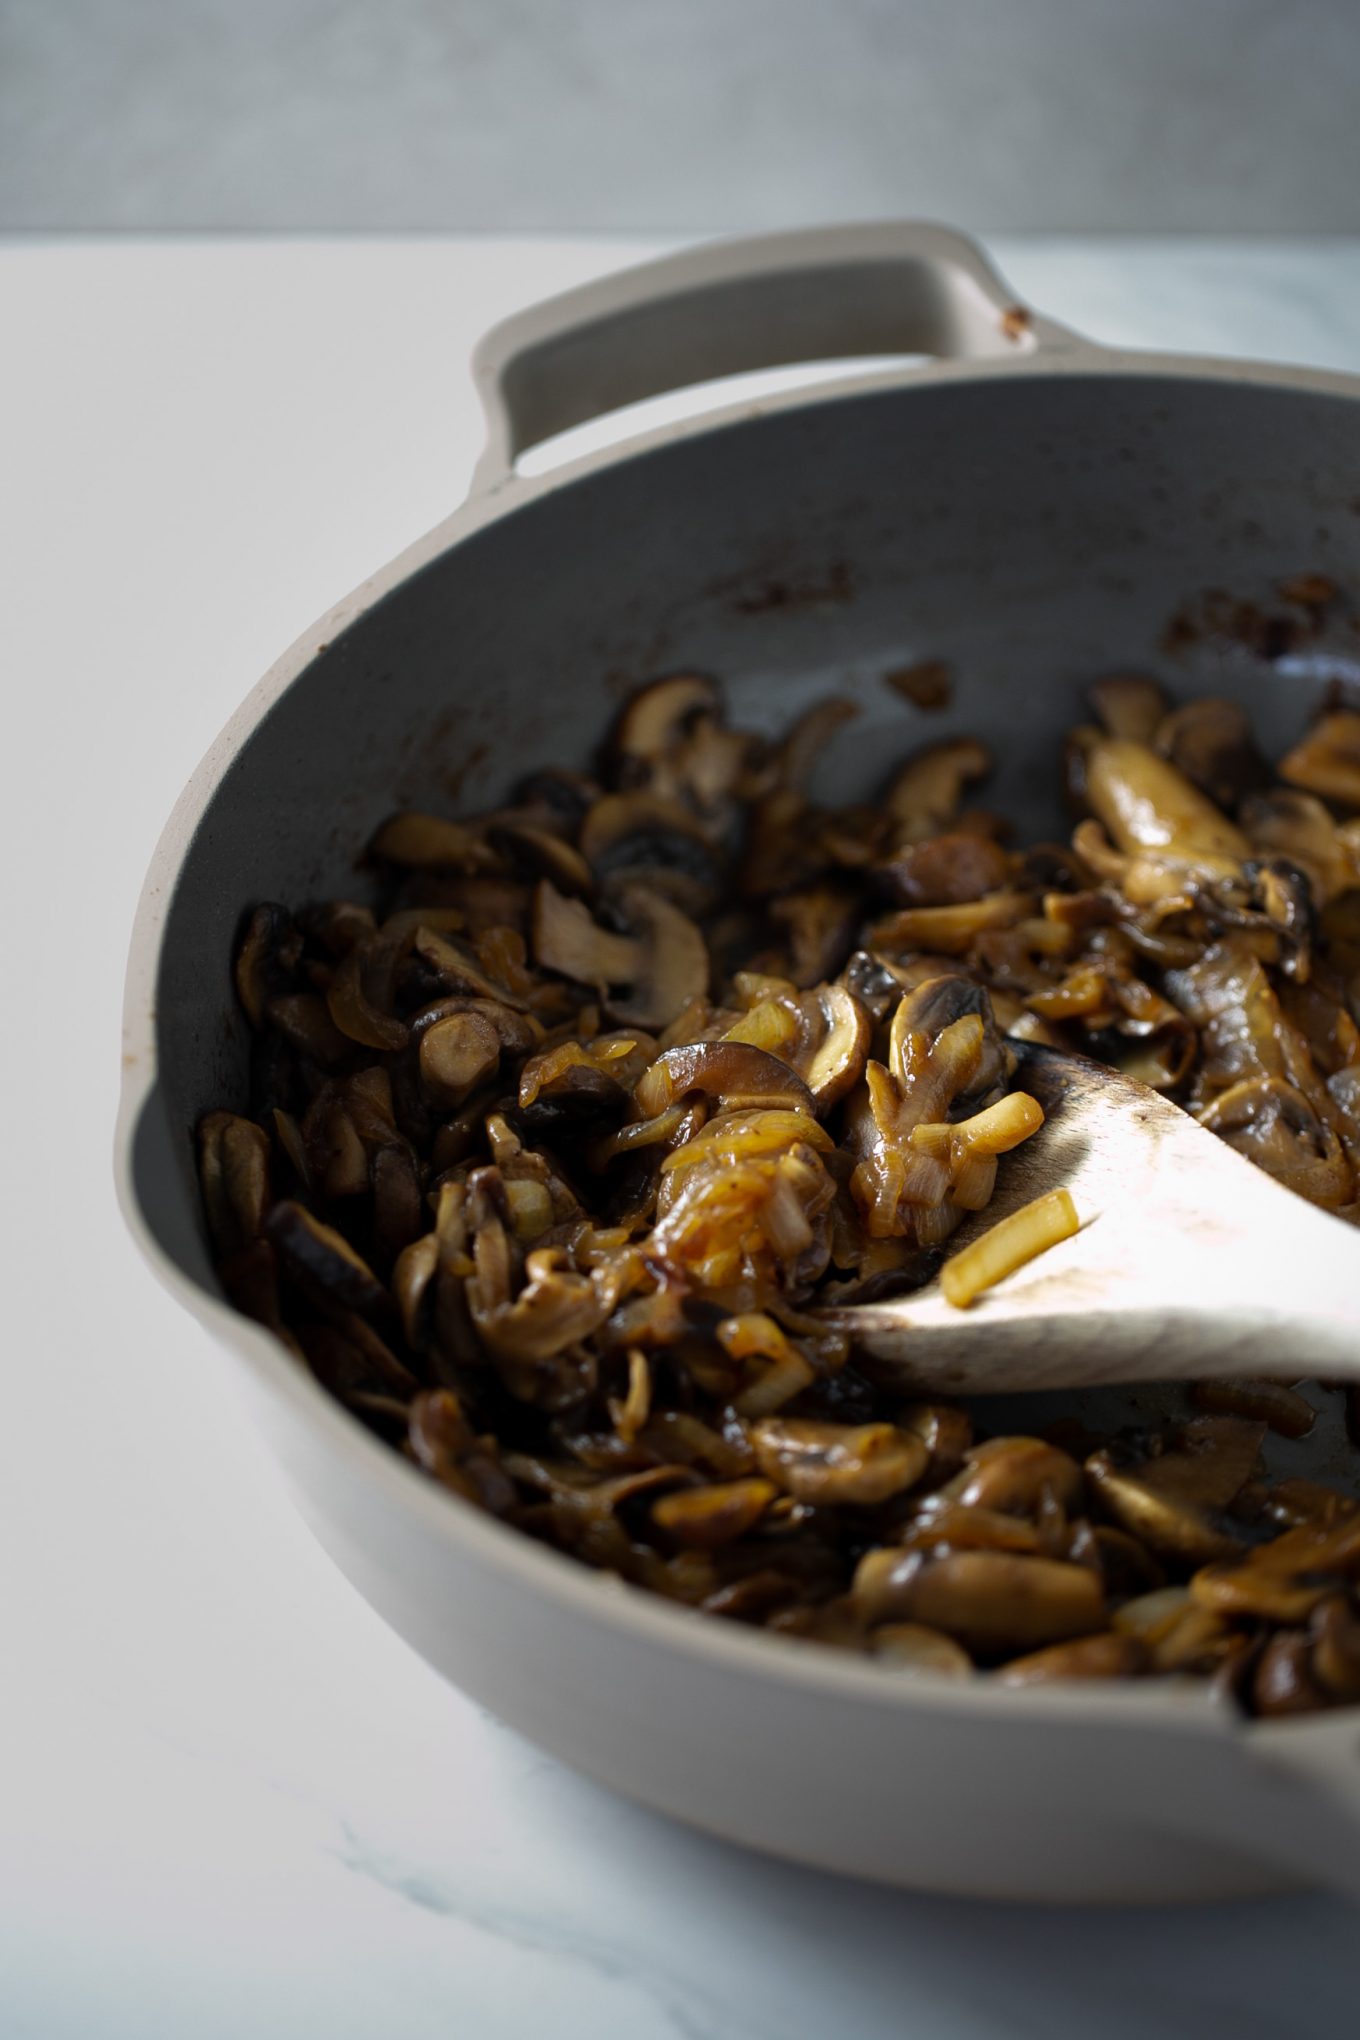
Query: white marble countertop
{"type": "Point", "coordinates": [230, 1801]}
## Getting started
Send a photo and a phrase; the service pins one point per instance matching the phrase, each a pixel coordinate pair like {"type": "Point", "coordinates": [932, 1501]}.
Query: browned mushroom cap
{"type": "Point", "coordinates": [1327, 760]}
{"type": "Point", "coordinates": [1014, 1475]}
{"type": "Point", "coordinates": [704, 1518]}
{"type": "Point", "coordinates": [649, 973]}
{"type": "Point", "coordinates": [1285, 1579]}
{"type": "Point", "coordinates": [1129, 705]}
{"type": "Point", "coordinates": [944, 871]}
{"type": "Point", "coordinates": [322, 1260]}
{"type": "Point", "coordinates": [912, 1647]}
{"type": "Point", "coordinates": [734, 1073]}
{"type": "Point", "coordinates": [1174, 1502]}
{"type": "Point", "coordinates": [994, 1602]}
{"type": "Point", "coordinates": [265, 962]}
{"type": "Point", "coordinates": [1108, 1656]}
{"type": "Point", "coordinates": [638, 837]}
{"type": "Point", "coordinates": [830, 1464]}
{"type": "Point", "coordinates": [1210, 740]}
{"type": "Point", "coordinates": [1148, 806]}
{"type": "Point", "coordinates": [926, 794]}
{"type": "Point", "coordinates": [423, 842]}
{"type": "Point", "coordinates": [233, 1162]}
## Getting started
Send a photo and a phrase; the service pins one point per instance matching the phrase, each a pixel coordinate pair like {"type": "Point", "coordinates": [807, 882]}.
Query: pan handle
{"type": "Point", "coordinates": [899, 287]}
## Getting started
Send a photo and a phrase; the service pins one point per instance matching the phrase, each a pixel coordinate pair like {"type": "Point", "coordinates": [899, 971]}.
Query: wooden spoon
{"type": "Point", "coordinates": [1190, 1263]}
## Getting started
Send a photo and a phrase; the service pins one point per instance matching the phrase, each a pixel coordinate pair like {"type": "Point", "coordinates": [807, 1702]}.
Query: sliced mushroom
{"type": "Point", "coordinates": [1283, 1581]}
{"type": "Point", "coordinates": [456, 1054]}
{"type": "Point", "coordinates": [302, 1019]}
{"type": "Point", "coordinates": [555, 1309]}
{"type": "Point", "coordinates": [944, 871]}
{"type": "Point", "coordinates": [322, 1259]}
{"type": "Point", "coordinates": [1210, 740]}
{"type": "Point", "coordinates": [818, 923]}
{"type": "Point", "coordinates": [995, 1603]}
{"type": "Point", "coordinates": [1327, 760]}
{"type": "Point", "coordinates": [1335, 1662]}
{"type": "Point", "coordinates": [443, 1442]}
{"type": "Point", "coordinates": [1283, 822]}
{"type": "Point", "coordinates": [234, 1173]}
{"type": "Point", "coordinates": [266, 960]}
{"type": "Point", "coordinates": [914, 1648]}
{"type": "Point", "coordinates": [1013, 1475]}
{"type": "Point", "coordinates": [833, 1464]}
{"type": "Point", "coordinates": [559, 796]}
{"type": "Point", "coordinates": [926, 793]}
{"type": "Point", "coordinates": [1107, 1656]}
{"type": "Point", "coordinates": [937, 1003]}
{"type": "Point", "coordinates": [876, 982]}
{"type": "Point", "coordinates": [805, 743]}
{"type": "Point", "coordinates": [649, 974]}
{"type": "Point", "coordinates": [654, 721]}
{"type": "Point", "coordinates": [423, 842]}
{"type": "Point", "coordinates": [1273, 1125]}
{"type": "Point", "coordinates": [355, 1014]}
{"type": "Point", "coordinates": [1282, 1682]}
{"type": "Point", "coordinates": [541, 853]}
{"type": "Point", "coordinates": [733, 1073]}
{"type": "Point", "coordinates": [458, 969]}
{"type": "Point", "coordinates": [640, 838]}
{"type": "Point", "coordinates": [833, 1043]}
{"type": "Point", "coordinates": [1130, 705]}
{"type": "Point", "coordinates": [944, 1429]}
{"type": "Point", "coordinates": [705, 1518]}
{"type": "Point", "coordinates": [1147, 805]}
{"type": "Point", "coordinates": [1174, 1502]}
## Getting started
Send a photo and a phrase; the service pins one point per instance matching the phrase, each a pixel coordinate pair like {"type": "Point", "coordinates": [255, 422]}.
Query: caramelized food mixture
{"type": "Point", "coordinates": [555, 1160]}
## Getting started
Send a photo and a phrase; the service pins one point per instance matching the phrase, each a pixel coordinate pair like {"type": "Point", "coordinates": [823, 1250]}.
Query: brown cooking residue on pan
{"type": "Point", "coordinates": [559, 1142]}
{"type": "Point", "coordinates": [927, 684]}
{"type": "Point", "coordinates": [1311, 604]}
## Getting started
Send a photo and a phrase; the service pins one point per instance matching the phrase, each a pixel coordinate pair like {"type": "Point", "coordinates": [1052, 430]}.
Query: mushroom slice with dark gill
{"type": "Point", "coordinates": [647, 974]}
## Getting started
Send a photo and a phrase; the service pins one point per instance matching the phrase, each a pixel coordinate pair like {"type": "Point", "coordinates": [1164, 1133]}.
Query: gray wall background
{"type": "Point", "coordinates": [679, 115]}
